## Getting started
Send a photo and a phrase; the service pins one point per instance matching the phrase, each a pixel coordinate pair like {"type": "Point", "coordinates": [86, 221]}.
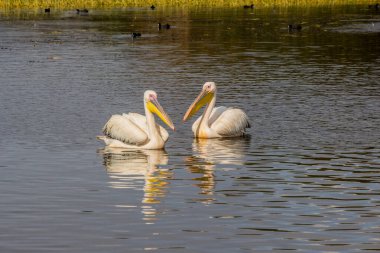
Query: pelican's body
{"type": "Point", "coordinates": [136, 131]}
{"type": "Point", "coordinates": [216, 122]}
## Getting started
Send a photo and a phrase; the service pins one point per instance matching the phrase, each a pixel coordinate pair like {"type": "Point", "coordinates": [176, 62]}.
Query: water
{"type": "Point", "coordinates": [307, 179]}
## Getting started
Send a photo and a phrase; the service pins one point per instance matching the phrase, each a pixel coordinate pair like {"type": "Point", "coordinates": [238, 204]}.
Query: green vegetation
{"type": "Point", "coordinates": [73, 4]}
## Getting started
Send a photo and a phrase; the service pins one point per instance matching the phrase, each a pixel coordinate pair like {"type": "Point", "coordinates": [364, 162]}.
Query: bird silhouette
{"type": "Point", "coordinates": [292, 27]}
{"type": "Point", "coordinates": [160, 26]}
{"type": "Point", "coordinates": [249, 6]}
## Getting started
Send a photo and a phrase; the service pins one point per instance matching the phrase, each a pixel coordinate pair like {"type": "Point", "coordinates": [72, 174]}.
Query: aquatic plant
{"type": "Point", "coordinates": [78, 4]}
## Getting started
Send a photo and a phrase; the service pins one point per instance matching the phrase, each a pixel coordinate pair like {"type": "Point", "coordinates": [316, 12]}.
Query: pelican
{"type": "Point", "coordinates": [216, 122]}
{"type": "Point", "coordinates": [136, 131]}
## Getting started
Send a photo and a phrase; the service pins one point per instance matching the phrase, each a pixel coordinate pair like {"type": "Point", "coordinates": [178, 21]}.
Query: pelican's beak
{"type": "Point", "coordinates": [203, 98]}
{"type": "Point", "coordinates": [157, 109]}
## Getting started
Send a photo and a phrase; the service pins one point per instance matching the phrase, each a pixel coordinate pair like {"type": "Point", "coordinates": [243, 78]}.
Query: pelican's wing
{"type": "Point", "coordinates": [229, 122]}
{"type": "Point", "coordinates": [125, 130]}
{"type": "Point", "coordinates": [215, 114]}
{"type": "Point", "coordinates": [140, 120]}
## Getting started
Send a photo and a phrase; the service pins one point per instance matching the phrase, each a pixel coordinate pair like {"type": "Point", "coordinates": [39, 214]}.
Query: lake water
{"type": "Point", "coordinates": [307, 178]}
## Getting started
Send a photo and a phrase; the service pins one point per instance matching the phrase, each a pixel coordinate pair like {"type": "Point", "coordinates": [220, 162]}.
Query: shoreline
{"type": "Point", "coordinates": [109, 4]}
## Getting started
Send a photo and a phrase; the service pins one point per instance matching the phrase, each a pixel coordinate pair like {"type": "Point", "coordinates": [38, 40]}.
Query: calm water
{"type": "Point", "coordinates": [307, 179]}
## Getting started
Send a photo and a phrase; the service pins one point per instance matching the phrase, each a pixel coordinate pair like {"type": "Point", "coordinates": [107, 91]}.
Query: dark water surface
{"type": "Point", "coordinates": [306, 180]}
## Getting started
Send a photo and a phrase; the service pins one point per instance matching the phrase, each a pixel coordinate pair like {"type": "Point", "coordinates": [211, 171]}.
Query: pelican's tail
{"type": "Point", "coordinates": [102, 138]}
{"type": "Point", "coordinates": [114, 143]}
{"type": "Point", "coordinates": [106, 139]}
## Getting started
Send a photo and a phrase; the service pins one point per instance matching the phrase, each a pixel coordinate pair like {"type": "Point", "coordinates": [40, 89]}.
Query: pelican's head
{"type": "Point", "coordinates": [151, 103]}
{"type": "Point", "coordinates": [207, 93]}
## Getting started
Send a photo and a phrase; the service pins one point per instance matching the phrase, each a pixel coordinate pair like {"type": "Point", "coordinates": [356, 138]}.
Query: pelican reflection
{"type": "Point", "coordinates": [211, 153]}
{"type": "Point", "coordinates": [139, 170]}
{"type": "Point", "coordinates": [222, 151]}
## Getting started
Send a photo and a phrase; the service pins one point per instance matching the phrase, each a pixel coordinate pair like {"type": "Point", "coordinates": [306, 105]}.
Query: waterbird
{"type": "Point", "coordinates": [135, 35]}
{"type": "Point", "coordinates": [292, 27]}
{"type": "Point", "coordinates": [216, 122]}
{"type": "Point", "coordinates": [249, 6]}
{"type": "Point", "coordinates": [375, 6]}
{"type": "Point", "coordinates": [153, 7]}
{"type": "Point", "coordinates": [47, 10]}
{"type": "Point", "coordinates": [160, 26]}
{"type": "Point", "coordinates": [136, 131]}
{"type": "Point", "coordinates": [82, 11]}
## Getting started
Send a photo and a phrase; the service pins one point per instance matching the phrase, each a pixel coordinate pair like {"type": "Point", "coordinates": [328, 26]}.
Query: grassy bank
{"type": "Point", "coordinates": [73, 4]}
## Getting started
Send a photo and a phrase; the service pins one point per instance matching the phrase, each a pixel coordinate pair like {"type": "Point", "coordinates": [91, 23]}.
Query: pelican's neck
{"type": "Point", "coordinates": [151, 124]}
{"type": "Point", "coordinates": [207, 113]}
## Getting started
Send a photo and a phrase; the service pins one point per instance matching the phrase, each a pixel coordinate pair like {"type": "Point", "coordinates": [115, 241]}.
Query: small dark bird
{"type": "Point", "coordinates": [375, 7]}
{"type": "Point", "coordinates": [167, 26]}
{"type": "Point", "coordinates": [47, 10]}
{"type": "Point", "coordinates": [249, 6]}
{"type": "Point", "coordinates": [82, 11]}
{"type": "Point", "coordinates": [153, 7]}
{"type": "Point", "coordinates": [135, 35]}
{"type": "Point", "coordinates": [294, 27]}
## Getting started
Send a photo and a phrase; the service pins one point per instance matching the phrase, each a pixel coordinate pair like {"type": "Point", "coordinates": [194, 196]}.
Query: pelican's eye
{"type": "Point", "coordinates": [151, 97]}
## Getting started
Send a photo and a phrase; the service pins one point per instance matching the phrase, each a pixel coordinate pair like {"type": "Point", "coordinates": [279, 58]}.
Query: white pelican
{"type": "Point", "coordinates": [216, 122]}
{"type": "Point", "coordinates": [136, 131]}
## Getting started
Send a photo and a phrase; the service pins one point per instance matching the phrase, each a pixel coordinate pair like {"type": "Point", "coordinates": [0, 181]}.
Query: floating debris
{"type": "Point", "coordinates": [54, 57]}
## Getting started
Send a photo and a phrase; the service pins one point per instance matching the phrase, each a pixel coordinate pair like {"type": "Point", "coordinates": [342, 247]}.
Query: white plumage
{"type": "Point", "coordinates": [123, 129]}
{"type": "Point", "coordinates": [134, 130]}
{"type": "Point", "coordinates": [216, 122]}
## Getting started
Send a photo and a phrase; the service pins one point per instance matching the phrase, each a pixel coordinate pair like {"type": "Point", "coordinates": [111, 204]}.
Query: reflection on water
{"type": "Point", "coordinates": [139, 170]}
{"type": "Point", "coordinates": [210, 152]}
{"type": "Point", "coordinates": [222, 151]}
